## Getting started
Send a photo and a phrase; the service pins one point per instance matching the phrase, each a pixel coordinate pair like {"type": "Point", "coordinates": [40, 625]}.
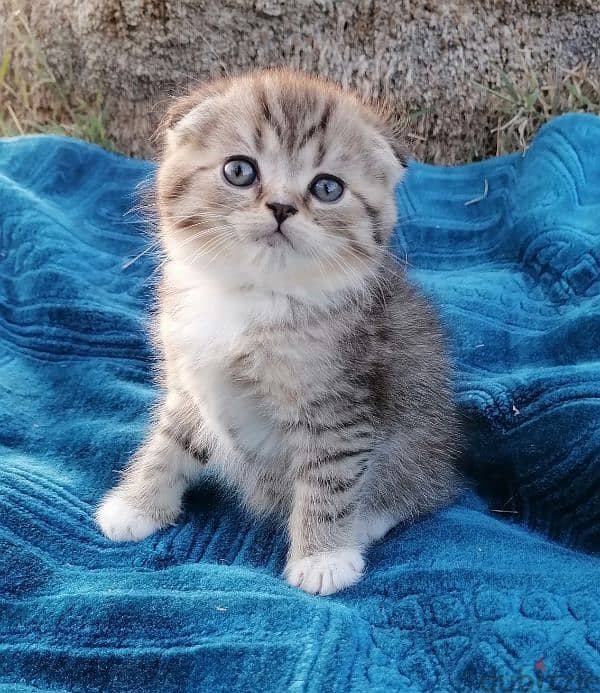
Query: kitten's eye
{"type": "Point", "coordinates": [240, 172]}
{"type": "Point", "coordinates": [327, 188]}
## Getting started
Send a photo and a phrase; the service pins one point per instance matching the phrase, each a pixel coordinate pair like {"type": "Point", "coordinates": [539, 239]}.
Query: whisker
{"type": "Point", "coordinates": [147, 249]}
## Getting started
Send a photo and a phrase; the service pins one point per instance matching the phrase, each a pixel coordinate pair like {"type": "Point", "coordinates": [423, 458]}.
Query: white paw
{"type": "Point", "coordinates": [325, 573]}
{"type": "Point", "coordinates": [120, 522]}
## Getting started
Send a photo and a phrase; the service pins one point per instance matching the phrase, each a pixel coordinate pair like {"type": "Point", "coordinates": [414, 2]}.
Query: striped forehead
{"type": "Point", "coordinates": [294, 127]}
{"type": "Point", "coordinates": [296, 121]}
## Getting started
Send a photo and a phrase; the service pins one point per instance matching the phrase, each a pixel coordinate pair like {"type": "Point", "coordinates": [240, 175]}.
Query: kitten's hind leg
{"type": "Point", "coordinates": [149, 494]}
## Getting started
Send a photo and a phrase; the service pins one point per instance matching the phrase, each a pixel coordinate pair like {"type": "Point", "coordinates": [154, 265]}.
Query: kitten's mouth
{"type": "Point", "coordinates": [276, 238]}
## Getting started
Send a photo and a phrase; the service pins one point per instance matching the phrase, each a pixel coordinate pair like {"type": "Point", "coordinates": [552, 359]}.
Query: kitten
{"type": "Point", "coordinates": [297, 359]}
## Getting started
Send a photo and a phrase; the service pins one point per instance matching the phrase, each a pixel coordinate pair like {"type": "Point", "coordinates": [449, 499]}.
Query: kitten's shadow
{"type": "Point", "coordinates": [233, 534]}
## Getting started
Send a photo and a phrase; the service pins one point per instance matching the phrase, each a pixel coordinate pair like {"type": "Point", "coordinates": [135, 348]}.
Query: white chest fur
{"type": "Point", "coordinates": [214, 330]}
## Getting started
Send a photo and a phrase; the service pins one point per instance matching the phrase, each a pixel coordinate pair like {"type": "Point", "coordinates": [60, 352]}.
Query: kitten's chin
{"type": "Point", "coordinates": [271, 264]}
{"type": "Point", "coordinates": [275, 239]}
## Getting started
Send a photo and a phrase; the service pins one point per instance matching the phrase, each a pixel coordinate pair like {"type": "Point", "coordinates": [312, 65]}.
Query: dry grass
{"type": "Point", "coordinates": [33, 99]}
{"type": "Point", "coordinates": [523, 108]}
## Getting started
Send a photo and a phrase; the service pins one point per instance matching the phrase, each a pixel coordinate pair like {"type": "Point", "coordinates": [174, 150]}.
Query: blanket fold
{"type": "Point", "coordinates": [501, 587]}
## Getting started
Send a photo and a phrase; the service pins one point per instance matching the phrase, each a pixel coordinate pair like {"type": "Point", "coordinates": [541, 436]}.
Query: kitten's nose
{"type": "Point", "coordinates": [280, 211]}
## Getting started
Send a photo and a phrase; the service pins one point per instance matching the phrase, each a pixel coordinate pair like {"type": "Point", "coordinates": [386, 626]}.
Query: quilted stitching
{"type": "Point", "coordinates": [464, 600]}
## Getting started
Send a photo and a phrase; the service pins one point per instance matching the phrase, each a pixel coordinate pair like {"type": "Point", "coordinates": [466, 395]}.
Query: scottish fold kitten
{"type": "Point", "coordinates": [297, 359]}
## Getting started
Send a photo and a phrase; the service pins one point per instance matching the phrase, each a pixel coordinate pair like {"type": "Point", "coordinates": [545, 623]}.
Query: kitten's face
{"type": "Point", "coordinates": [278, 180]}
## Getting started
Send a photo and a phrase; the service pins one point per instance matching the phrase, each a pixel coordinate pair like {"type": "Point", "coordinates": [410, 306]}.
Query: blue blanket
{"type": "Point", "coordinates": [500, 589]}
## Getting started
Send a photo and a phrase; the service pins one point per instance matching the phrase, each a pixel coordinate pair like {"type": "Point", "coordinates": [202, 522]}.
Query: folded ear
{"type": "Point", "coordinates": [187, 112]}
{"type": "Point", "coordinates": [394, 133]}
{"type": "Point", "coordinates": [180, 107]}
{"type": "Point", "coordinates": [399, 148]}
{"type": "Point", "coordinates": [393, 129]}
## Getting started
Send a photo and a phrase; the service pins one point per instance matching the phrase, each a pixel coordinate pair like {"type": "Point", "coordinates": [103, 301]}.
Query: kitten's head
{"type": "Point", "coordinates": [279, 180]}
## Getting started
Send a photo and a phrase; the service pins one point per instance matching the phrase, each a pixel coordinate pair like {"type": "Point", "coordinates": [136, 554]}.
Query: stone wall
{"type": "Point", "coordinates": [427, 56]}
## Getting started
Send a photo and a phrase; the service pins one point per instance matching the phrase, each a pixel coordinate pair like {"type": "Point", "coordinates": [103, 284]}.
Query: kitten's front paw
{"type": "Point", "coordinates": [325, 573]}
{"type": "Point", "coordinates": [120, 522]}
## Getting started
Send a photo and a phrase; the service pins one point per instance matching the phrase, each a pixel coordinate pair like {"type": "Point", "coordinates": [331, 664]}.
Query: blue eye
{"type": "Point", "coordinates": [327, 188]}
{"type": "Point", "coordinates": [239, 172]}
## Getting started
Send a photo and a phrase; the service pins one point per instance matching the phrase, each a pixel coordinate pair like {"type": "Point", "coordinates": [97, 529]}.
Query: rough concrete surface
{"type": "Point", "coordinates": [426, 56]}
